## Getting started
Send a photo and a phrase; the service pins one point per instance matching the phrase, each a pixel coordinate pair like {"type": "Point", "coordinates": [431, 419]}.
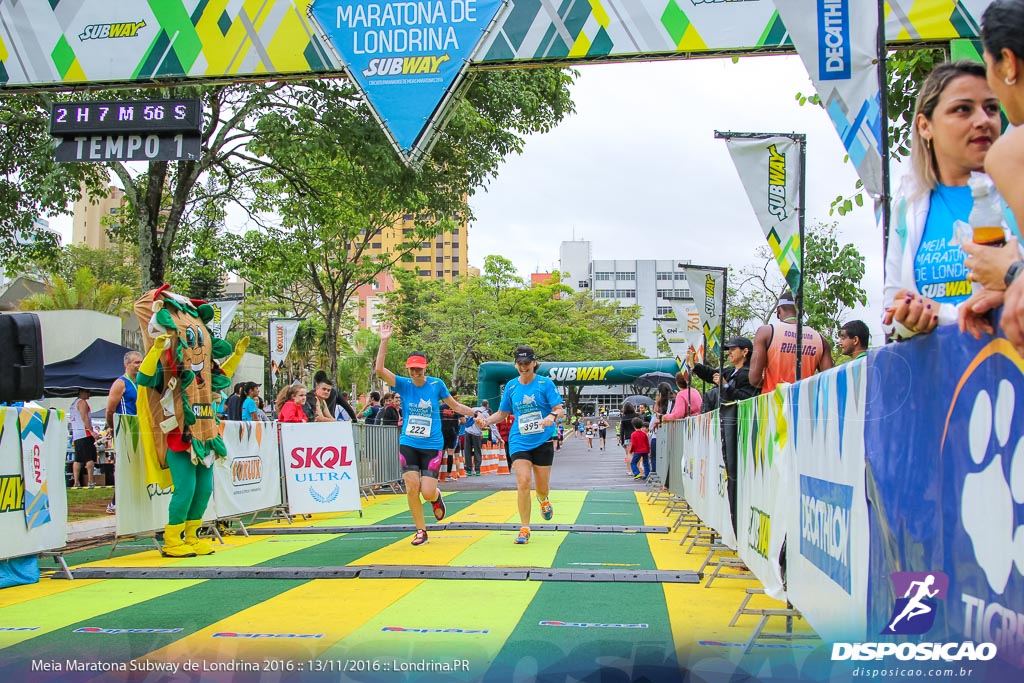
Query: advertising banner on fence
{"type": "Point", "coordinates": [280, 336]}
{"type": "Point", "coordinates": [764, 472]}
{"type": "Point", "coordinates": [949, 510]}
{"type": "Point", "coordinates": [699, 460]}
{"type": "Point", "coordinates": [769, 168]}
{"type": "Point", "coordinates": [249, 479]}
{"type": "Point", "coordinates": [44, 438]}
{"type": "Point", "coordinates": [837, 41]}
{"type": "Point", "coordinates": [320, 467]}
{"type": "Point", "coordinates": [707, 287]}
{"type": "Point", "coordinates": [827, 551]}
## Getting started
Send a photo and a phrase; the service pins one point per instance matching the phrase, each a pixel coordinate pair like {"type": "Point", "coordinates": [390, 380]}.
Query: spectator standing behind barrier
{"type": "Point", "coordinates": [474, 442]}
{"type": "Point", "coordinates": [388, 415]}
{"type": "Point", "coordinates": [1001, 270]}
{"type": "Point", "coordinates": [504, 428]}
{"type": "Point", "coordinates": [450, 433]}
{"type": "Point", "coordinates": [773, 360]}
{"type": "Point", "coordinates": [82, 438]}
{"type": "Point", "coordinates": [421, 444]}
{"type": "Point", "coordinates": [687, 402]}
{"type": "Point", "coordinates": [854, 339]}
{"type": "Point", "coordinates": [250, 411]}
{"type": "Point", "coordinates": [536, 405]}
{"type": "Point", "coordinates": [318, 407]}
{"type": "Point", "coordinates": [370, 412]}
{"type": "Point", "coordinates": [290, 403]}
{"type": "Point", "coordinates": [121, 400]}
{"type": "Point", "coordinates": [233, 406]}
{"type": "Point", "coordinates": [956, 121]}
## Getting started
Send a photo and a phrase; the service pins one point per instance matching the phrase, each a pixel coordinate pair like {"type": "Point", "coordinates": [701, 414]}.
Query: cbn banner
{"type": "Point", "coordinates": [249, 479]}
{"type": "Point", "coordinates": [827, 551]}
{"type": "Point", "coordinates": [281, 335]}
{"type": "Point", "coordinates": [839, 49]}
{"type": "Point", "coordinates": [764, 486]}
{"type": "Point", "coordinates": [320, 467]}
{"type": "Point", "coordinates": [950, 509]}
{"type": "Point", "coordinates": [24, 531]}
{"type": "Point", "coordinates": [769, 168]}
{"type": "Point", "coordinates": [707, 287]}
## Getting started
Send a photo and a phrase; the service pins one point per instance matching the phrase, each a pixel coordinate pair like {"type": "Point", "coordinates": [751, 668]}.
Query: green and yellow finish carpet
{"type": "Point", "coordinates": [224, 628]}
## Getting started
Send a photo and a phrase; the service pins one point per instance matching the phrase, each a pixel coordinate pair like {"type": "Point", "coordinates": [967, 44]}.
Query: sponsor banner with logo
{"type": "Point", "coordinates": [223, 314]}
{"type": "Point", "coordinates": [407, 58]}
{"type": "Point", "coordinates": [141, 502]}
{"type": "Point", "coordinates": [280, 336]}
{"type": "Point", "coordinates": [101, 41]}
{"type": "Point", "coordinates": [320, 467]}
{"type": "Point", "coordinates": [697, 471]}
{"type": "Point", "coordinates": [954, 501]}
{"type": "Point", "coordinates": [827, 550]}
{"type": "Point", "coordinates": [707, 288]}
{"type": "Point", "coordinates": [685, 332]}
{"type": "Point", "coordinates": [837, 41]}
{"type": "Point", "coordinates": [769, 168]}
{"type": "Point", "coordinates": [764, 485]}
{"type": "Point", "coordinates": [42, 435]}
{"type": "Point", "coordinates": [249, 479]}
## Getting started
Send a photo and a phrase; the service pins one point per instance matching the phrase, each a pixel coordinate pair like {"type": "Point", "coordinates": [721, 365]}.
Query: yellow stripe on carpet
{"type": "Point", "coordinates": [328, 608]}
{"type": "Point", "coordinates": [33, 591]}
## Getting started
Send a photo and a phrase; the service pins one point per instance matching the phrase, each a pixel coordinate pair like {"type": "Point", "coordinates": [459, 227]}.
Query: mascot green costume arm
{"type": "Point", "coordinates": [179, 384]}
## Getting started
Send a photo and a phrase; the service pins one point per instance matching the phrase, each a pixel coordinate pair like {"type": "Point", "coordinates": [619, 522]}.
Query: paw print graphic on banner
{"type": "Point", "coordinates": [988, 498]}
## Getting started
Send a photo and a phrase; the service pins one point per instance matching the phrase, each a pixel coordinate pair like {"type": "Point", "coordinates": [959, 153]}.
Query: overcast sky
{"type": "Point", "coordinates": [638, 172]}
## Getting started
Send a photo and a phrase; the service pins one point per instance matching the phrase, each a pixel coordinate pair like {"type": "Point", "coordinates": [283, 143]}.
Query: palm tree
{"type": "Point", "coordinates": [84, 293]}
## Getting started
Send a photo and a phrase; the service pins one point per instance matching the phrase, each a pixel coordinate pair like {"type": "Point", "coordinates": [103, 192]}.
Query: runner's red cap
{"type": "Point", "coordinates": [416, 360]}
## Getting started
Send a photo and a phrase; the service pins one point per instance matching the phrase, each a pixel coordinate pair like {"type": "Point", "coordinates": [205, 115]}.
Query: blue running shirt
{"type": "Point", "coordinates": [421, 412]}
{"type": "Point", "coordinates": [939, 263]}
{"type": "Point", "coordinates": [529, 403]}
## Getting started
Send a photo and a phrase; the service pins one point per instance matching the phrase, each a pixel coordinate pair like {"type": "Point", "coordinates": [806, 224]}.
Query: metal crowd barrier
{"type": "Point", "coordinates": [378, 465]}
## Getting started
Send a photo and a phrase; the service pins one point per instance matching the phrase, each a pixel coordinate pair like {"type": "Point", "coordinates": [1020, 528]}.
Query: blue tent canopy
{"type": "Point", "coordinates": [94, 369]}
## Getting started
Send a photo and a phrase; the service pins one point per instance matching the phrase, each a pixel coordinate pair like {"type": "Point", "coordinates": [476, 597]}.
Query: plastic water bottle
{"type": "Point", "coordinates": [986, 217]}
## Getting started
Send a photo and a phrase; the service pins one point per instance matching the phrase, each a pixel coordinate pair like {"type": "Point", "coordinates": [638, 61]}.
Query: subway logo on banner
{"type": "Point", "coordinates": [12, 493]}
{"type": "Point", "coordinates": [128, 29]}
{"type": "Point", "coordinates": [776, 184]}
{"type": "Point", "coordinates": [403, 66]}
{"type": "Point", "coordinates": [759, 531]}
{"type": "Point", "coordinates": [560, 374]}
{"type": "Point", "coordinates": [825, 509]}
{"type": "Point", "coordinates": [833, 40]}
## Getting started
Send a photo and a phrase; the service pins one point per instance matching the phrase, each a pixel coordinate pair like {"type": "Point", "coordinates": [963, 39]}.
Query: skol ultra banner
{"type": "Point", "coordinates": [320, 467]}
{"type": "Point", "coordinates": [837, 41]}
{"type": "Point", "coordinates": [685, 332]}
{"type": "Point", "coordinates": [769, 167]}
{"type": "Point", "coordinates": [947, 494]}
{"type": "Point", "coordinates": [281, 335]}
{"type": "Point", "coordinates": [406, 57]}
{"type": "Point", "coordinates": [707, 287]}
{"type": "Point", "coordinates": [223, 313]}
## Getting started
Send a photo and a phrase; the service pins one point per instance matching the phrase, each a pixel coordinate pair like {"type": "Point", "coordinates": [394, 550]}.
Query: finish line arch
{"type": "Point", "coordinates": [493, 375]}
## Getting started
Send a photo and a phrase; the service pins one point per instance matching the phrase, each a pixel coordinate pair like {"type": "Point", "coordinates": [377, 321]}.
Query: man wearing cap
{"type": "Point", "coordinates": [421, 444]}
{"type": "Point", "coordinates": [536, 406]}
{"type": "Point", "coordinates": [774, 357]}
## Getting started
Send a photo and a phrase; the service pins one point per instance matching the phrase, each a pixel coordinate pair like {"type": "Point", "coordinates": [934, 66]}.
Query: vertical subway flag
{"type": "Point", "coordinates": [839, 49]}
{"type": "Point", "coordinates": [32, 425]}
{"type": "Point", "coordinates": [707, 290]}
{"type": "Point", "coordinates": [769, 168]}
{"type": "Point", "coordinates": [408, 58]}
{"type": "Point", "coordinates": [223, 313]}
{"type": "Point", "coordinates": [282, 334]}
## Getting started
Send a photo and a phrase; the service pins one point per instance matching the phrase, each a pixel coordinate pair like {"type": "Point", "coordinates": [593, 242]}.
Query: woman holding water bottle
{"type": "Point", "coordinates": [956, 121]}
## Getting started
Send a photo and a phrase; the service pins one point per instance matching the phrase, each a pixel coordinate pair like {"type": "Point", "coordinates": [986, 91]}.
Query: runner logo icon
{"type": "Point", "coordinates": [914, 613]}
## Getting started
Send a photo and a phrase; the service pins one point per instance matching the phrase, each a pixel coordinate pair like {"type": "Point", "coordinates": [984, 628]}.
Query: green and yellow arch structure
{"type": "Point", "coordinates": [68, 44]}
{"type": "Point", "coordinates": [492, 376]}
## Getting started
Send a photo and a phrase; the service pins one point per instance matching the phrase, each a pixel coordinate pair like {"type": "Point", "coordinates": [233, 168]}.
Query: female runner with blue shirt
{"type": "Point", "coordinates": [421, 444]}
{"type": "Point", "coordinates": [536, 405]}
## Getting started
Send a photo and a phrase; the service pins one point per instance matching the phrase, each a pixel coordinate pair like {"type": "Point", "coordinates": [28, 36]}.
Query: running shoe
{"type": "Point", "coordinates": [546, 511]}
{"type": "Point", "coordinates": [638, 476]}
{"type": "Point", "coordinates": [439, 508]}
{"type": "Point", "coordinates": [420, 538]}
{"type": "Point", "coordinates": [111, 509]}
{"type": "Point", "coordinates": [522, 538]}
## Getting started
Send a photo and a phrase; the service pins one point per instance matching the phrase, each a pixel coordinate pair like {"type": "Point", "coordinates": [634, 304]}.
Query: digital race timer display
{"type": "Point", "coordinates": [137, 116]}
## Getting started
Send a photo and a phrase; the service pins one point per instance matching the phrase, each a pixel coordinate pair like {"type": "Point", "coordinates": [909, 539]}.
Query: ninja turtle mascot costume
{"type": "Point", "coordinates": [179, 383]}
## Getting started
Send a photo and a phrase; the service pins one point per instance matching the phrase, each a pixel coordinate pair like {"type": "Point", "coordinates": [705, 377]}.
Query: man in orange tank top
{"type": "Point", "coordinates": [774, 357]}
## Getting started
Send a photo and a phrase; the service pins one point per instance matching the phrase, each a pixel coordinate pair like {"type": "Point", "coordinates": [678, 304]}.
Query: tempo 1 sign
{"type": "Point", "coordinates": [130, 130]}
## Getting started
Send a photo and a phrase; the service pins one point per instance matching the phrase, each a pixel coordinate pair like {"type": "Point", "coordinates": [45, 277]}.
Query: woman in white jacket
{"type": "Point", "coordinates": [956, 121]}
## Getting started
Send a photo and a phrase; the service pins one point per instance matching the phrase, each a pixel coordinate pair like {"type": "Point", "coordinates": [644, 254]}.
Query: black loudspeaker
{"type": "Point", "coordinates": [21, 357]}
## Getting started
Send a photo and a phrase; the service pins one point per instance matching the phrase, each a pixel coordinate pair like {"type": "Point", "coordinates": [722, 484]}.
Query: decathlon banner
{"type": "Point", "coordinates": [407, 57]}
{"type": "Point", "coordinates": [828, 546]}
{"type": "Point", "coordinates": [249, 479]}
{"type": "Point", "coordinates": [764, 485]}
{"type": "Point", "coordinates": [685, 332]}
{"type": "Point", "coordinates": [320, 467]}
{"type": "Point", "coordinates": [837, 41]}
{"type": "Point", "coordinates": [707, 287]}
{"type": "Point", "coordinates": [945, 462]}
{"type": "Point", "coordinates": [280, 336]}
{"type": "Point", "coordinates": [223, 314]}
{"type": "Point", "coordinates": [44, 438]}
{"type": "Point", "coordinates": [769, 168]}
{"type": "Point", "coordinates": [696, 455]}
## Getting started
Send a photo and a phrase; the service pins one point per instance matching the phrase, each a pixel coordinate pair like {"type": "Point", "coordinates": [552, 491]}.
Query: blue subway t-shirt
{"type": "Point", "coordinates": [529, 403]}
{"type": "Point", "coordinates": [939, 263]}
{"type": "Point", "coordinates": [421, 412]}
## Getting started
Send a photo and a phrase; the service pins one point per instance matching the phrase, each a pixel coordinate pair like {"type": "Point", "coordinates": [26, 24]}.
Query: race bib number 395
{"type": "Point", "coordinates": [418, 427]}
{"type": "Point", "coordinates": [529, 423]}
